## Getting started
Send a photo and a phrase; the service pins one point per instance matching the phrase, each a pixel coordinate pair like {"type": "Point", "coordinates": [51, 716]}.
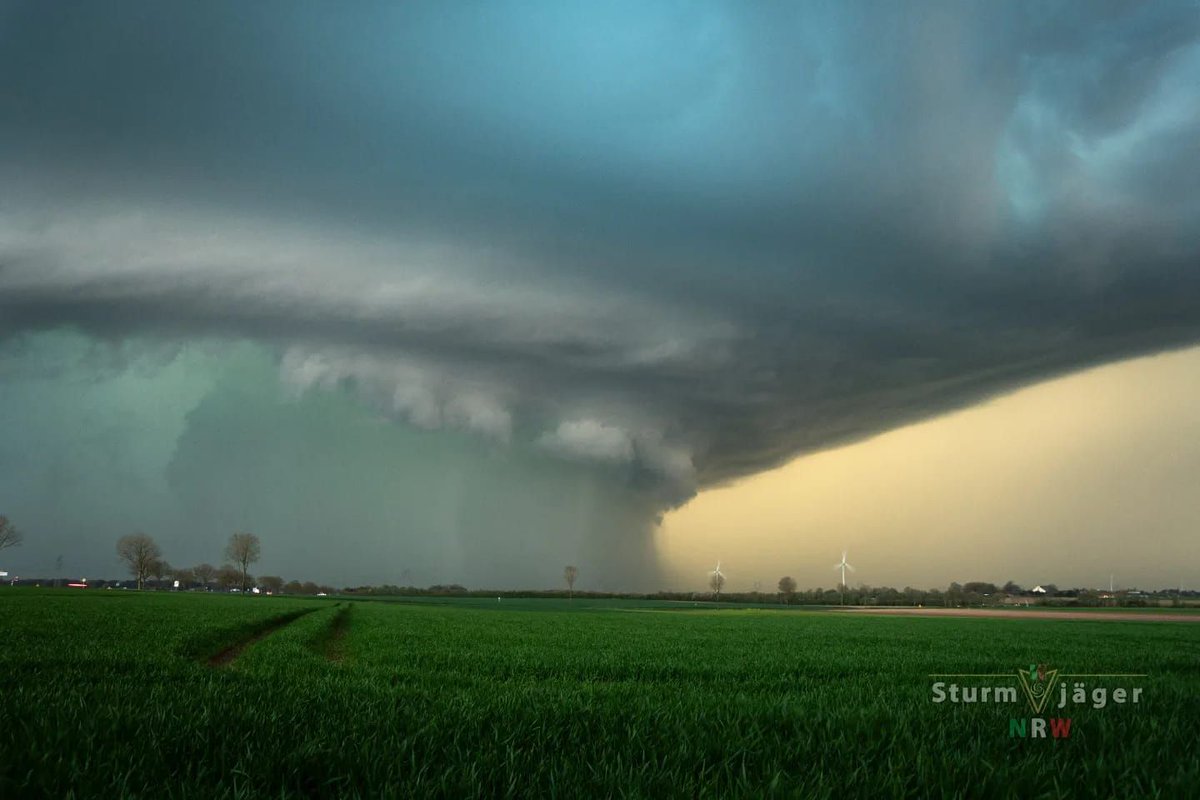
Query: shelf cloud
{"type": "Point", "coordinates": [684, 242]}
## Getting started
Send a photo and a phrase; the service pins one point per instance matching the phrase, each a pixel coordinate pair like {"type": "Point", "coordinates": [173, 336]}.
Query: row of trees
{"type": "Point", "coordinates": [971, 593]}
{"type": "Point", "coordinates": [144, 559]}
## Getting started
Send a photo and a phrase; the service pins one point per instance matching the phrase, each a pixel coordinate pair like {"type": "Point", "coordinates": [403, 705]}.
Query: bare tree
{"type": "Point", "coordinates": [9, 535]}
{"type": "Point", "coordinates": [205, 574]}
{"type": "Point", "coordinates": [159, 569]}
{"type": "Point", "coordinates": [272, 583]}
{"type": "Point", "coordinates": [243, 550]}
{"type": "Point", "coordinates": [787, 588]}
{"type": "Point", "coordinates": [139, 552]}
{"type": "Point", "coordinates": [229, 577]}
{"type": "Point", "coordinates": [185, 576]}
{"type": "Point", "coordinates": [569, 575]}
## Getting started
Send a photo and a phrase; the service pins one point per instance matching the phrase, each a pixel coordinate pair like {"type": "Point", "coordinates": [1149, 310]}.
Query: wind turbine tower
{"type": "Point", "coordinates": [843, 565]}
{"type": "Point", "coordinates": [716, 579]}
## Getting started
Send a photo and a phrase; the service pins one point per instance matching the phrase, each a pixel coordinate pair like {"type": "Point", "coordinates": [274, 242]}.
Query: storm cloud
{"type": "Point", "coordinates": [682, 241]}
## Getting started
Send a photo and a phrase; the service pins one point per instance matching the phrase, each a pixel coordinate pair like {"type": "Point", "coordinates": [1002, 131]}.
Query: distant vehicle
{"type": "Point", "coordinates": [322, 594]}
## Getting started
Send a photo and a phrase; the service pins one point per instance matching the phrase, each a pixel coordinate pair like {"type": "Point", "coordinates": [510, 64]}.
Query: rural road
{"type": "Point", "coordinates": [1029, 614]}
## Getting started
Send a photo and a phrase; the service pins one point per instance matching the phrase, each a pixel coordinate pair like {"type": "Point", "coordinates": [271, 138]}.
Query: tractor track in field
{"type": "Point", "coordinates": [332, 643]}
{"type": "Point", "coordinates": [229, 654]}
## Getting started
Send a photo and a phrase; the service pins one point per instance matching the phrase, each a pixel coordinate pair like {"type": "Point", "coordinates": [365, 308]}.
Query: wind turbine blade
{"type": "Point", "coordinates": [850, 568]}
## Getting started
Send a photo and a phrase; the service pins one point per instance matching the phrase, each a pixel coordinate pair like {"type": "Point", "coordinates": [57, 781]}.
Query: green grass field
{"type": "Point", "coordinates": [120, 694]}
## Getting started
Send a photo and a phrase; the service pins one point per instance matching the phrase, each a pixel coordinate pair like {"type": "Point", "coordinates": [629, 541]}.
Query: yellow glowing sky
{"type": "Point", "coordinates": [1063, 482]}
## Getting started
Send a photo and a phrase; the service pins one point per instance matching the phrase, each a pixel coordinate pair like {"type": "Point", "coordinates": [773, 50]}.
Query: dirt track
{"type": "Point", "coordinates": [230, 653]}
{"type": "Point", "coordinates": [1007, 613]}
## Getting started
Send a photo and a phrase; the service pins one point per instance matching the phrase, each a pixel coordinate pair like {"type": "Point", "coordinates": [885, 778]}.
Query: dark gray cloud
{"type": "Point", "coordinates": [695, 239]}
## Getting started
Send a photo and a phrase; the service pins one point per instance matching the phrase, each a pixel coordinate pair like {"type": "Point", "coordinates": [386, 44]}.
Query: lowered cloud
{"type": "Point", "coordinates": [683, 242]}
{"type": "Point", "coordinates": [587, 438]}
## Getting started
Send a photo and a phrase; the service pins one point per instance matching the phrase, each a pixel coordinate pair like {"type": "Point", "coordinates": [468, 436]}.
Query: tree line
{"type": "Point", "coordinates": [956, 595]}
{"type": "Point", "coordinates": [144, 559]}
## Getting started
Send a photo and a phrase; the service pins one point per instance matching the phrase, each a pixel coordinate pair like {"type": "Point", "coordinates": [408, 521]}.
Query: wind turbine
{"type": "Point", "coordinates": [716, 580]}
{"type": "Point", "coordinates": [843, 565]}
